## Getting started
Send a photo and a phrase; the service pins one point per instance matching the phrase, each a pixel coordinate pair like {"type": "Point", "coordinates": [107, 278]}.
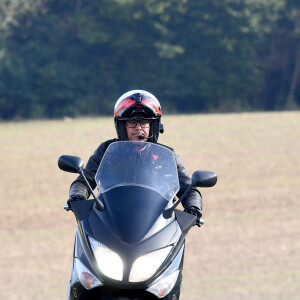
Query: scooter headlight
{"type": "Point", "coordinates": [146, 265]}
{"type": "Point", "coordinates": [109, 262]}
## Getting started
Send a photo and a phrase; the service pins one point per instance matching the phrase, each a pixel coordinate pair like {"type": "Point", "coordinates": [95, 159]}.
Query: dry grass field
{"type": "Point", "coordinates": [249, 247]}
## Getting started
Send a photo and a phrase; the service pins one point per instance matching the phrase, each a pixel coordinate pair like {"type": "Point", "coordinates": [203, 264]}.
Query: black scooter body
{"type": "Point", "coordinates": [91, 222]}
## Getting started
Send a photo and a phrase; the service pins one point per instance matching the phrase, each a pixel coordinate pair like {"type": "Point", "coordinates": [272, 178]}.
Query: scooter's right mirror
{"type": "Point", "coordinates": [204, 178]}
{"type": "Point", "coordinates": [69, 163]}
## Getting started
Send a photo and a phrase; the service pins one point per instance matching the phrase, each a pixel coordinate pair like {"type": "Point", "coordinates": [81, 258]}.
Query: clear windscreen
{"type": "Point", "coordinates": [144, 164]}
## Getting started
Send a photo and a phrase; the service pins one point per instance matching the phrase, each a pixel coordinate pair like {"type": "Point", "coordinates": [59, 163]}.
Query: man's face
{"type": "Point", "coordinates": [136, 128]}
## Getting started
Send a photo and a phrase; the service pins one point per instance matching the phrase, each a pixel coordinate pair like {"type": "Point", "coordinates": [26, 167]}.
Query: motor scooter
{"type": "Point", "coordinates": [130, 240]}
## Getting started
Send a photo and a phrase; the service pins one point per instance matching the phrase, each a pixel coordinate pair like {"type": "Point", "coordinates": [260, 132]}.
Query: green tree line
{"type": "Point", "coordinates": [75, 57]}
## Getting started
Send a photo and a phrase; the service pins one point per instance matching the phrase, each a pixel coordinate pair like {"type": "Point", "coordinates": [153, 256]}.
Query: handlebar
{"type": "Point", "coordinates": [199, 223]}
{"type": "Point", "coordinates": [67, 207]}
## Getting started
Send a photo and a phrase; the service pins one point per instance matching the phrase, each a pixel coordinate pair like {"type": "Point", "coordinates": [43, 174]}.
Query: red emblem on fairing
{"type": "Point", "coordinates": [155, 157]}
{"type": "Point", "coordinates": [125, 103]}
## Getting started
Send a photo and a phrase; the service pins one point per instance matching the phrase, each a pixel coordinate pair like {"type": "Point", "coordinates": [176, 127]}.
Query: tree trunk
{"type": "Point", "coordinates": [295, 77]}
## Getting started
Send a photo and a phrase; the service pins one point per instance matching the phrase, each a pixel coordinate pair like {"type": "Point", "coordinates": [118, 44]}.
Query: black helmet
{"type": "Point", "coordinates": [138, 104]}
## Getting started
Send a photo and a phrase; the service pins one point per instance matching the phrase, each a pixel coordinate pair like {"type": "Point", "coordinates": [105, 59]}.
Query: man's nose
{"type": "Point", "coordinates": [138, 125]}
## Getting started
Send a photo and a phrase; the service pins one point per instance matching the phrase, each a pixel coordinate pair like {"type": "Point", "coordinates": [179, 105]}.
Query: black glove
{"type": "Point", "coordinates": [75, 197]}
{"type": "Point", "coordinates": [196, 212]}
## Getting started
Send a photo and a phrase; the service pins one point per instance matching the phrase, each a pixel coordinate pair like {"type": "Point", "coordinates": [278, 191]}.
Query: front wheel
{"type": "Point", "coordinates": [78, 292]}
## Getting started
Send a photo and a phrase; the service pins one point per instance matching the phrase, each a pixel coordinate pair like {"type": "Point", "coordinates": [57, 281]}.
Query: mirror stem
{"type": "Point", "coordinates": [168, 212]}
{"type": "Point", "coordinates": [99, 203]}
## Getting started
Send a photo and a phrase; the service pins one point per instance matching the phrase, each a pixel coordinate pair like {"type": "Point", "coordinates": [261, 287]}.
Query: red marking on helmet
{"type": "Point", "coordinates": [138, 106]}
{"type": "Point", "coordinates": [155, 157]}
{"type": "Point", "coordinates": [125, 103]}
{"type": "Point", "coordinates": [153, 103]}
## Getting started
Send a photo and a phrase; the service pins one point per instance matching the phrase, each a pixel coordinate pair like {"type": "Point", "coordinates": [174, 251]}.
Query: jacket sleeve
{"type": "Point", "coordinates": [79, 186]}
{"type": "Point", "coordinates": [193, 198]}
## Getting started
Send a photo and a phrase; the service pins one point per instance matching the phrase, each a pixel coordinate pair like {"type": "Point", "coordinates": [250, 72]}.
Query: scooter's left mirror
{"type": "Point", "coordinates": [71, 164]}
{"type": "Point", "coordinates": [204, 179]}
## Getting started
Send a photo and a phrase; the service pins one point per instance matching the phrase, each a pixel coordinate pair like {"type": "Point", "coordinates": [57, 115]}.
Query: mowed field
{"type": "Point", "coordinates": [249, 247]}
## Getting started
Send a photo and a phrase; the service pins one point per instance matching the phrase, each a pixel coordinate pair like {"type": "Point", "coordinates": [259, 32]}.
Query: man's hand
{"type": "Point", "coordinates": [75, 197]}
{"type": "Point", "coordinates": [196, 212]}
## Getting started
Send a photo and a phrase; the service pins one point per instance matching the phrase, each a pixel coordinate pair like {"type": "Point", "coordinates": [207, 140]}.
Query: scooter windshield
{"type": "Point", "coordinates": [136, 180]}
{"type": "Point", "coordinates": [143, 164]}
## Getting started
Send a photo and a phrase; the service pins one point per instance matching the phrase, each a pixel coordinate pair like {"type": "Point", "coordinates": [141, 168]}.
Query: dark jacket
{"type": "Point", "coordinates": [79, 186]}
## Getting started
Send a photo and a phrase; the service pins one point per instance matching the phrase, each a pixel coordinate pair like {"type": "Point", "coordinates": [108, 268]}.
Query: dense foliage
{"type": "Point", "coordinates": [75, 57]}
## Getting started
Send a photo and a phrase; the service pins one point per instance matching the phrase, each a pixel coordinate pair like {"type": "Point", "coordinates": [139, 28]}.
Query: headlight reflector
{"type": "Point", "coordinates": [109, 262]}
{"type": "Point", "coordinates": [146, 265]}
